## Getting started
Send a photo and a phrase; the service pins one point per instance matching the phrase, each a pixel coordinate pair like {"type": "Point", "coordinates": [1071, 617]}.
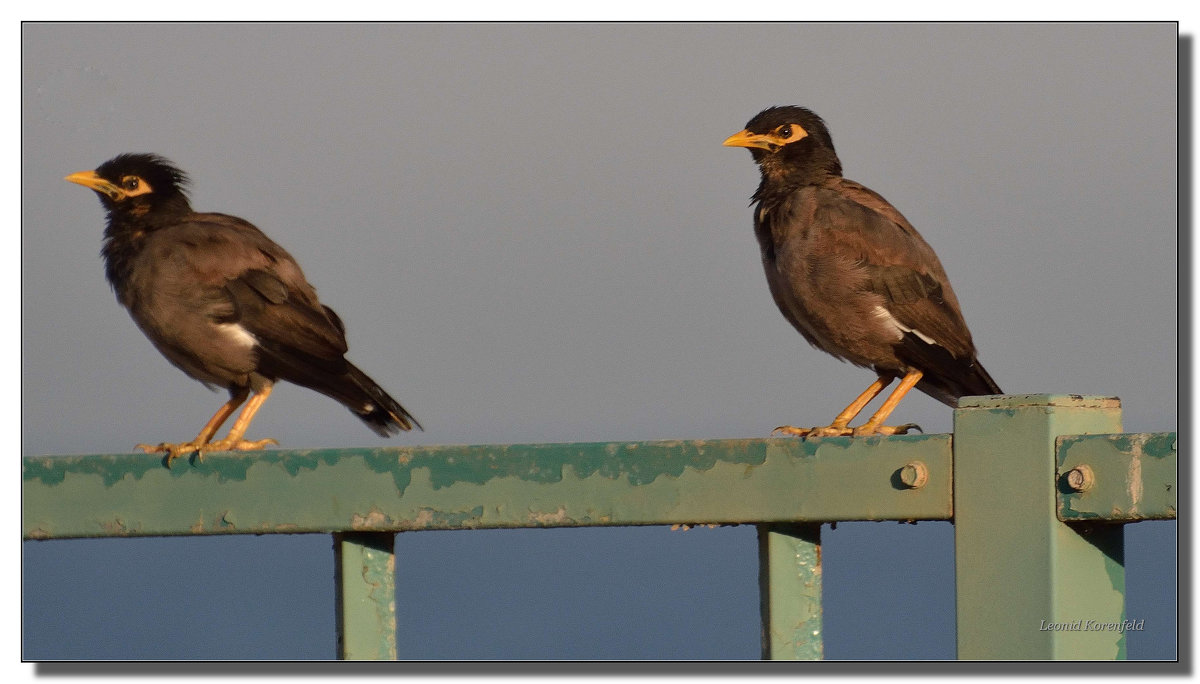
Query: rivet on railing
{"type": "Point", "coordinates": [914, 475]}
{"type": "Point", "coordinates": [1080, 478]}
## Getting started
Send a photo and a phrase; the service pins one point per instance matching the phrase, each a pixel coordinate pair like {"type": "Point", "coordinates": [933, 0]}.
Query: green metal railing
{"type": "Point", "coordinates": [1038, 487]}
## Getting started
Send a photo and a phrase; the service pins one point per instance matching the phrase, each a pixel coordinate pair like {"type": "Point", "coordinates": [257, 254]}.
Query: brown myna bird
{"type": "Point", "coordinates": [223, 303]}
{"type": "Point", "coordinates": [852, 275]}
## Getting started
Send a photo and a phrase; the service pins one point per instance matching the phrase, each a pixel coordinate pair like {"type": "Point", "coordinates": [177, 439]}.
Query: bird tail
{"type": "Point", "coordinates": [946, 377]}
{"type": "Point", "coordinates": [967, 378]}
{"type": "Point", "coordinates": [375, 407]}
{"type": "Point", "coordinates": [983, 382]}
{"type": "Point", "coordinates": [343, 382]}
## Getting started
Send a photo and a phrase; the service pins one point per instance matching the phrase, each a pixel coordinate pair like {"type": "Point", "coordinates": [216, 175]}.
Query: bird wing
{"type": "Point", "coordinates": [296, 337]}
{"type": "Point", "coordinates": [279, 317]}
{"type": "Point", "coordinates": [265, 293]}
{"type": "Point", "coordinates": [903, 269]}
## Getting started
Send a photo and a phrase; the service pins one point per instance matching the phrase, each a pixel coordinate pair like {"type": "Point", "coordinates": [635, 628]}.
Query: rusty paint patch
{"type": "Point", "coordinates": [429, 518]}
{"type": "Point", "coordinates": [1135, 479]}
{"type": "Point", "coordinates": [116, 527]}
{"type": "Point", "coordinates": [556, 518]}
{"type": "Point", "coordinates": [372, 520]}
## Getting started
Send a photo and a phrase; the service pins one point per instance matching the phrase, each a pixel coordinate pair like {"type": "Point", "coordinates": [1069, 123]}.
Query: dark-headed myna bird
{"type": "Point", "coordinates": [852, 275]}
{"type": "Point", "coordinates": [223, 303]}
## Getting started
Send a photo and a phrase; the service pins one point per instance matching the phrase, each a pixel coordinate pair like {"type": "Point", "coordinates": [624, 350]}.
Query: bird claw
{"type": "Point", "coordinates": [788, 430]}
{"type": "Point", "coordinates": [173, 451]}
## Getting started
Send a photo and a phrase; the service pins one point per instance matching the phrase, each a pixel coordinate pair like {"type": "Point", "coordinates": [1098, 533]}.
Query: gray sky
{"type": "Point", "coordinates": [533, 234]}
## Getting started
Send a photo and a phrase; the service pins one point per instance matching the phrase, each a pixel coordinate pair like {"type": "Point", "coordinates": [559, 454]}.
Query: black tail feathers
{"type": "Point", "coordinates": [377, 408]}
{"type": "Point", "coordinates": [946, 377]}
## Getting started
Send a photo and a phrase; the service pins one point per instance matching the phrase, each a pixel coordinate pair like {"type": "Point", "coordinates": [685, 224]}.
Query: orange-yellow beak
{"type": "Point", "coordinates": [89, 179]}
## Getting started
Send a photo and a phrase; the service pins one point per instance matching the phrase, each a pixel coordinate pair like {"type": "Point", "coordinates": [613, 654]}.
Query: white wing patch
{"type": "Point", "coordinates": [886, 316]}
{"type": "Point", "coordinates": [238, 335]}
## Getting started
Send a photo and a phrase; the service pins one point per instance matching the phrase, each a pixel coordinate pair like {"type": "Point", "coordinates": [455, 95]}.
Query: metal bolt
{"type": "Point", "coordinates": [1080, 478]}
{"type": "Point", "coordinates": [914, 475]}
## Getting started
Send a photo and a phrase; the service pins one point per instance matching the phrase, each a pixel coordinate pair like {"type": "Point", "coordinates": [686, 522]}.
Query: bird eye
{"type": "Point", "coordinates": [130, 182]}
{"type": "Point", "coordinates": [785, 131]}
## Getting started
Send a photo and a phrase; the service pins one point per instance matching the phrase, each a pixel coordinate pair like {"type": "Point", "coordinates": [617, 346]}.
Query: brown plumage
{"type": "Point", "coordinates": [852, 274]}
{"type": "Point", "coordinates": [223, 303]}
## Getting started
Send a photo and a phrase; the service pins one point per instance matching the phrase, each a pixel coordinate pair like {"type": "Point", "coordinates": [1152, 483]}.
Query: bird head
{"type": "Point", "coordinates": [788, 143]}
{"type": "Point", "coordinates": [133, 185]}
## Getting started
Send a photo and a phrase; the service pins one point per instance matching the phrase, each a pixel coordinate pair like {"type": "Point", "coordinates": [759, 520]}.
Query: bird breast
{"type": "Point", "coordinates": [822, 289]}
{"type": "Point", "coordinates": [188, 315]}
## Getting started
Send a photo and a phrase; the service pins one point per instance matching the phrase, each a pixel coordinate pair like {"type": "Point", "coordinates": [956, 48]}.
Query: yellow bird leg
{"type": "Point", "coordinates": [174, 451]}
{"type": "Point", "coordinates": [233, 441]}
{"type": "Point", "coordinates": [840, 425]}
{"type": "Point", "coordinates": [874, 425]}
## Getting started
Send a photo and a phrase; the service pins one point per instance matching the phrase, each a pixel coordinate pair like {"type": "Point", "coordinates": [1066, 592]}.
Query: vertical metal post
{"type": "Point", "coordinates": [1028, 585]}
{"type": "Point", "coordinates": [789, 583]}
{"type": "Point", "coordinates": [365, 570]}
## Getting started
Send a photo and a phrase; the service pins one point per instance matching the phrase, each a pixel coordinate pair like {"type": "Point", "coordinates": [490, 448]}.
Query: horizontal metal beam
{"type": "Point", "coordinates": [490, 486]}
{"type": "Point", "coordinates": [1118, 478]}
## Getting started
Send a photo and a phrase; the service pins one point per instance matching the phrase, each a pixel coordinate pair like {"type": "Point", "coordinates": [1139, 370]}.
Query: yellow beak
{"type": "Point", "coordinates": [748, 139]}
{"type": "Point", "coordinates": [89, 179]}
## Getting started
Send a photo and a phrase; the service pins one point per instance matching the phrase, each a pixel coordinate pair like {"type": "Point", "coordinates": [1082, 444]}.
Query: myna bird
{"type": "Point", "coordinates": [223, 303]}
{"type": "Point", "coordinates": [853, 275]}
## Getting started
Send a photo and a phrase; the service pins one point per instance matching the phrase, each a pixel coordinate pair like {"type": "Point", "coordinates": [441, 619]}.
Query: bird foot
{"type": "Point", "coordinates": [846, 431]}
{"type": "Point", "coordinates": [865, 430]}
{"type": "Point", "coordinates": [174, 451]}
{"type": "Point", "coordinates": [236, 445]}
{"type": "Point", "coordinates": [826, 431]}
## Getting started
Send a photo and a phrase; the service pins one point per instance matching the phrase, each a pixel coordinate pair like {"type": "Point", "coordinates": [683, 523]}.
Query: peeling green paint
{"type": "Point", "coordinates": [639, 462]}
{"type": "Point", "coordinates": [1135, 477]}
{"type": "Point", "coordinates": [111, 468]}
